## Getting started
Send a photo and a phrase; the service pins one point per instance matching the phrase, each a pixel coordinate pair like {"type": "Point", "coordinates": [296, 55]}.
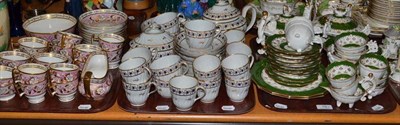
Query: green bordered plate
{"type": "Point", "coordinates": [259, 67]}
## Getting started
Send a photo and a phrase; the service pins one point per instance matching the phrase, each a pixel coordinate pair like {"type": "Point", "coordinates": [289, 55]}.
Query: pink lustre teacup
{"type": "Point", "coordinates": [64, 80]}
{"type": "Point", "coordinates": [32, 80]}
{"type": "Point", "coordinates": [33, 45]}
{"type": "Point", "coordinates": [64, 43]}
{"type": "Point", "coordinates": [14, 58]}
{"type": "Point", "coordinates": [112, 44]}
{"type": "Point", "coordinates": [49, 58]}
{"type": "Point", "coordinates": [81, 53]}
{"type": "Point", "coordinates": [7, 90]}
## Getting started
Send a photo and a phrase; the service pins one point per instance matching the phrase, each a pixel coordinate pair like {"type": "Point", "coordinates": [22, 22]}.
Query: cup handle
{"type": "Point", "coordinates": [148, 70]}
{"type": "Point", "coordinates": [251, 60]}
{"type": "Point", "coordinates": [62, 40]}
{"type": "Point", "coordinates": [154, 53]}
{"type": "Point", "coordinates": [50, 85]}
{"type": "Point", "coordinates": [17, 84]}
{"type": "Point", "coordinates": [203, 89]}
{"type": "Point", "coordinates": [181, 17]}
{"type": "Point", "coordinates": [86, 83]}
{"type": "Point", "coordinates": [155, 90]}
{"type": "Point", "coordinates": [94, 38]}
{"type": "Point", "coordinates": [370, 80]}
{"type": "Point", "coordinates": [186, 69]}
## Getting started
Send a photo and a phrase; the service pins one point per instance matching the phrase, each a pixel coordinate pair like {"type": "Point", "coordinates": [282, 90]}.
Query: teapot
{"type": "Point", "coordinates": [227, 17]}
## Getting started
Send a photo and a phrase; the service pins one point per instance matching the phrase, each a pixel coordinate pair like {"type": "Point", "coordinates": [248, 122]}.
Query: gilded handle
{"type": "Point", "coordinates": [86, 84]}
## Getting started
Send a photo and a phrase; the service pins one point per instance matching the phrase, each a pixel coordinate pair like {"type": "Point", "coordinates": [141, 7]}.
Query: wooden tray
{"type": "Point", "coordinates": [53, 105]}
{"type": "Point", "coordinates": [327, 104]}
{"type": "Point", "coordinates": [395, 89]}
{"type": "Point", "coordinates": [155, 100]}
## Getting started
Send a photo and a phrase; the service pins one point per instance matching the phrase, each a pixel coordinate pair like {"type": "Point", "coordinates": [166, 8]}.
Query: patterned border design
{"type": "Point", "coordinates": [238, 84]}
{"type": "Point", "coordinates": [167, 71]}
{"type": "Point", "coordinates": [137, 87]}
{"type": "Point", "coordinates": [211, 84]}
{"type": "Point", "coordinates": [236, 72]}
{"type": "Point", "coordinates": [183, 92]}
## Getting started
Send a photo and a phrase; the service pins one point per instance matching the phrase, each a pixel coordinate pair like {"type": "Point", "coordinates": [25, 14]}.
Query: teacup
{"type": "Point", "coordinates": [81, 53]}
{"type": "Point", "coordinates": [238, 48]}
{"type": "Point", "coordinates": [64, 79]}
{"type": "Point", "coordinates": [65, 42]}
{"type": "Point", "coordinates": [341, 74]}
{"type": "Point", "coordinates": [7, 90]}
{"type": "Point", "coordinates": [234, 36]}
{"type": "Point", "coordinates": [237, 90]}
{"type": "Point", "coordinates": [32, 81]}
{"type": "Point", "coordinates": [373, 63]}
{"type": "Point", "coordinates": [96, 82]}
{"type": "Point", "coordinates": [166, 68]}
{"type": "Point", "coordinates": [138, 93]}
{"type": "Point", "coordinates": [33, 45]}
{"type": "Point", "coordinates": [135, 71]}
{"type": "Point", "coordinates": [49, 58]}
{"type": "Point", "coordinates": [14, 58]}
{"type": "Point", "coordinates": [237, 66]}
{"type": "Point", "coordinates": [184, 90]}
{"type": "Point", "coordinates": [200, 33]}
{"type": "Point", "coordinates": [142, 52]}
{"type": "Point", "coordinates": [207, 69]}
{"type": "Point", "coordinates": [169, 21]}
{"type": "Point", "coordinates": [110, 41]}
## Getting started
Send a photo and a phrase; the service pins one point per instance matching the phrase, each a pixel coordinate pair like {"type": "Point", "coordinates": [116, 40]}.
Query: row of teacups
{"type": "Point", "coordinates": [166, 72]}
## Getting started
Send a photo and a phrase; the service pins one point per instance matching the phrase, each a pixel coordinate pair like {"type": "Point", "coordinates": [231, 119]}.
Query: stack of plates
{"type": "Point", "coordinates": [100, 21]}
{"type": "Point", "coordinates": [290, 68]}
{"type": "Point", "coordinates": [385, 11]}
{"type": "Point", "coordinates": [188, 54]}
{"type": "Point", "coordinates": [349, 46]}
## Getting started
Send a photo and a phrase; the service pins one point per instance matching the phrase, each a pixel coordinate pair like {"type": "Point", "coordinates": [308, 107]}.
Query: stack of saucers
{"type": "Point", "coordinates": [348, 46]}
{"type": "Point", "coordinates": [100, 21]}
{"type": "Point", "coordinates": [188, 54]}
{"type": "Point", "coordinates": [385, 11]}
{"type": "Point", "coordinates": [290, 68]}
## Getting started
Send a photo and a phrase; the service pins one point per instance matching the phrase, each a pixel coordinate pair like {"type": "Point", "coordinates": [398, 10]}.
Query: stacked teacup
{"type": "Point", "coordinates": [236, 68]}
{"type": "Point", "coordinates": [136, 80]}
{"type": "Point", "coordinates": [207, 70]}
{"type": "Point", "coordinates": [349, 46]}
{"type": "Point", "coordinates": [372, 63]}
{"type": "Point", "coordinates": [112, 45]}
{"type": "Point", "coordinates": [199, 37]}
{"type": "Point", "coordinates": [64, 43]}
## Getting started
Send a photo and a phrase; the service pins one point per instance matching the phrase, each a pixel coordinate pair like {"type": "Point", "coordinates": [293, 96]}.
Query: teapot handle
{"type": "Point", "coordinates": [86, 83]}
{"type": "Point", "coordinates": [253, 16]}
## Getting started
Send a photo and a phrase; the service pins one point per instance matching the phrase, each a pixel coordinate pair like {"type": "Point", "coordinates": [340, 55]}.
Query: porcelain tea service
{"type": "Point", "coordinates": [200, 33]}
{"type": "Point", "coordinates": [14, 58]}
{"type": "Point", "coordinates": [135, 70]}
{"type": "Point", "coordinates": [32, 81]}
{"type": "Point", "coordinates": [349, 46]}
{"type": "Point", "coordinates": [112, 45]}
{"type": "Point", "coordinates": [47, 25]}
{"type": "Point", "coordinates": [33, 45]}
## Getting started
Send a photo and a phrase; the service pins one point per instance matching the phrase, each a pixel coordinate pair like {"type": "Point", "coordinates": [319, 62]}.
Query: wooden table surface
{"type": "Point", "coordinates": [258, 114]}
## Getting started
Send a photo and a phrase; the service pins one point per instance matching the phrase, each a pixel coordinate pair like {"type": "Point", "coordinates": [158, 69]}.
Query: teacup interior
{"type": "Point", "coordinates": [33, 44]}
{"type": "Point", "coordinates": [50, 59]}
{"type": "Point", "coordinates": [132, 63]}
{"type": "Point", "coordinates": [235, 61]}
{"type": "Point", "coordinates": [183, 82]}
{"type": "Point", "coordinates": [137, 52]}
{"type": "Point", "coordinates": [32, 70]}
{"type": "Point", "coordinates": [50, 25]}
{"type": "Point", "coordinates": [14, 57]}
{"type": "Point", "coordinates": [238, 47]}
{"type": "Point", "coordinates": [64, 68]}
{"type": "Point", "coordinates": [234, 35]}
{"type": "Point", "coordinates": [165, 17]}
{"type": "Point", "coordinates": [5, 74]}
{"type": "Point", "coordinates": [206, 63]}
{"type": "Point", "coordinates": [200, 25]}
{"type": "Point", "coordinates": [165, 62]}
{"type": "Point", "coordinates": [111, 40]}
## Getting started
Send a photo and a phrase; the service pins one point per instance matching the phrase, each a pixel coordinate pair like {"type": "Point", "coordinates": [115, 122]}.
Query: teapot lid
{"type": "Point", "coordinates": [154, 35]}
{"type": "Point", "coordinates": [222, 10]}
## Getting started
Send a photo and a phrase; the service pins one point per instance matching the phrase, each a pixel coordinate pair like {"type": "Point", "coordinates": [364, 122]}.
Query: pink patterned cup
{"type": "Point", "coordinates": [49, 58]}
{"type": "Point", "coordinates": [64, 80]}
{"type": "Point", "coordinates": [32, 82]}
{"type": "Point", "coordinates": [65, 42]}
{"type": "Point", "coordinates": [81, 53]}
{"type": "Point", "coordinates": [7, 90]}
{"type": "Point", "coordinates": [112, 44]}
{"type": "Point", "coordinates": [14, 58]}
